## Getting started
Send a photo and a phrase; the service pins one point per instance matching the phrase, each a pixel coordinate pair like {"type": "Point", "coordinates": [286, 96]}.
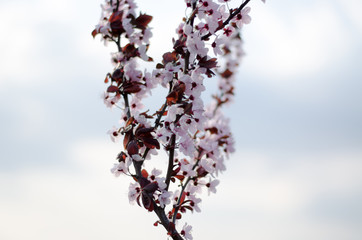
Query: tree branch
{"type": "Point", "coordinates": [167, 224]}
{"type": "Point", "coordinates": [170, 160]}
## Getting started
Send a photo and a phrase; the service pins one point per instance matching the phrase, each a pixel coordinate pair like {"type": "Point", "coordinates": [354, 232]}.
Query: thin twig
{"type": "Point", "coordinates": [177, 208]}
{"type": "Point", "coordinates": [226, 22]}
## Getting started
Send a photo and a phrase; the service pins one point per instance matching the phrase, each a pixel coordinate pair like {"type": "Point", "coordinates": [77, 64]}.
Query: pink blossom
{"type": "Point", "coordinates": [206, 163]}
{"type": "Point", "coordinates": [187, 147]}
{"type": "Point", "coordinates": [196, 46]}
{"type": "Point", "coordinates": [169, 71]}
{"type": "Point", "coordinates": [134, 191]}
{"type": "Point", "coordinates": [164, 198]}
{"type": "Point", "coordinates": [172, 112]}
{"type": "Point", "coordinates": [109, 101]}
{"type": "Point", "coordinates": [114, 134]}
{"type": "Point", "coordinates": [243, 17]}
{"type": "Point", "coordinates": [228, 31]}
{"type": "Point", "coordinates": [136, 105]}
{"type": "Point", "coordinates": [121, 167]}
{"type": "Point", "coordinates": [211, 186]}
{"type": "Point", "coordinates": [186, 232]}
{"type": "Point", "coordinates": [216, 45]}
{"type": "Point", "coordinates": [195, 202]}
{"type": "Point", "coordinates": [186, 168]}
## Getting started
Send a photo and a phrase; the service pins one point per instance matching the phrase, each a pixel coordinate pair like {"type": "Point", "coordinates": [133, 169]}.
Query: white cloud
{"type": "Point", "coordinates": [35, 37]}
{"type": "Point", "coordinates": [262, 197]}
{"type": "Point", "coordinates": [285, 189]}
{"type": "Point", "coordinates": [300, 43]}
{"type": "Point", "coordinates": [81, 200]}
{"type": "Point", "coordinates": [352, 10]}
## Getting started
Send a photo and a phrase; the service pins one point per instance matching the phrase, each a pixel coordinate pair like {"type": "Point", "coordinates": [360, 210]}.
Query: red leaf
{"type": "Point", "coordinates": [169, 57]}
{"type": "Point", "coordinates": [130, 51]}
{"type": "Point", "coordinates": [117, 75]}
{"type": "Point", "coordinates": [179, 44]}
{"type": "Point", "coordinates": [147, 202]}
{"type": "Point", "coordinates": [227, 73]}
{"type": "Point", "coordinates": [132, 147]}
{"type": "Point", "coordinates": [172, 97]}
{"type": "Point", "coordinates": [150, 142]}
{"type": "Point", "coordinates": [183, 196]}
{"type": "Point", "coordinates": [127, 138]}
{"type": "Point", "coordinates": [116, 23]}
{"type": "Point", "coordinates": [211, 63]}
{"type": "Point", "coordinates": [144, 173]}
{"type": "Point", "coordinates": [94, 33]}
{"type": "Point", "coordinates": [180, 177]}
{"type": "Point", "coordinates": [141, 131]}
{"type": "Point", "coordinates": [201, 172]}
{"type": "Point", "coordinates": [176, 93]}
{"type": "Point", "coordinates": [106, 79]}
{"type": "Point", "coordinates": [151, 187]}
{"type": "Point", "coordinates": [174, 172]}
{"type": "Point", "coordinates": [143, 182]}
{"type": "Point", "coordinates": [131, 87]}
{"type": "Point", "coordinates": [112, 89]}
{"type": "Point", "coordinates": [142, 21]}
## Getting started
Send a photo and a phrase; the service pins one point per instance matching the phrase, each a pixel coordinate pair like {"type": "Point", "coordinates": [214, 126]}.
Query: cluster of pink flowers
{"type": "Point", "coordinates": [195, 136]}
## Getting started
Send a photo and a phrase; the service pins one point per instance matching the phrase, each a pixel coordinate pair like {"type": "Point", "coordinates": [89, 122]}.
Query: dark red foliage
{"type": "Point", "coordinates": [169, 57]}
{"type": "Point", "coordinates": [121, 157]}
{"type": "Point", "coordinates": [112, 89]}
{"type": "Point", "coordinates": [132, 147]}
{"type": "Point", "coordinates": [144, 135]}
{"type": "Point", "coordinates": [144, 173]}
{"type": "Point", "coordinates": [131, 87]}
{"type": "Point", "coordinates": [151, 187]}
{"type": "Point", "coordinates": [94, 33]}
{"type": "Point", "coordinates": [179, 45]}
{"type": "Point", "coordinates": [116, 23]}
{"type": "Point", "coordinates": [130, 51]}
{"type": "Point", "coordinates": [176, 94]}
{"type": "Point", "coordinates": [142, 21]}
{"type": "Point", "coordinates": [227, 73]}
{"type": "Point", "coordinates": [148, 188]}
{"type": "Point", "coordinates": [207, 63]}
{"type": "Point", "coordinates": [117, 75]}
{"type": "Point", "coordinates": [201, 172]}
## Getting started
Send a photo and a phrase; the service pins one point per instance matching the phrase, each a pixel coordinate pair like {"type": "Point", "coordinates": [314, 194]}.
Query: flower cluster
{"type": "Point", "coordinates": [196, 137]}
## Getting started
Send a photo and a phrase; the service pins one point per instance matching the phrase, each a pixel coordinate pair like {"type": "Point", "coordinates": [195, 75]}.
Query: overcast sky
{"type": "Point", "coordinates": [296, 119]}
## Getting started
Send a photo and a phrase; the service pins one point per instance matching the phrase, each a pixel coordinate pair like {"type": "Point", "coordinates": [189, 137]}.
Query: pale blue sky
{"type": "Point", "coordinates": [297, 118]}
